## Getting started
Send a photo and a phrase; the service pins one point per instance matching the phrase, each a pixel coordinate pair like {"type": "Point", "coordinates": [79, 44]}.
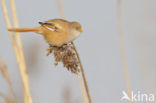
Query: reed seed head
{"type": "Point", "coordinates": [66, 55]}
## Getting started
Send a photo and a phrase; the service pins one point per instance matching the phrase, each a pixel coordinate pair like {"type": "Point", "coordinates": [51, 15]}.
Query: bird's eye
{"type": "Point", "coordinates": [77, 28]}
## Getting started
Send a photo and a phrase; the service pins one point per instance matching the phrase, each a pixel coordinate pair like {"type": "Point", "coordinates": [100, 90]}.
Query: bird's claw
{"type": "Point", "coordinates": [49, 50]}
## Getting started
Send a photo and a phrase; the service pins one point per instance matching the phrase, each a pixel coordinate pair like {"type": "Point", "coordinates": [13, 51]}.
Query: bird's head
{"type": "Point", "coordinates": [76, 26]}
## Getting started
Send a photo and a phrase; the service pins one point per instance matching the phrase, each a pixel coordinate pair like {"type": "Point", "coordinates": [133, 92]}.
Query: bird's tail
{"type": "Point", "coordinates": [37, 29]}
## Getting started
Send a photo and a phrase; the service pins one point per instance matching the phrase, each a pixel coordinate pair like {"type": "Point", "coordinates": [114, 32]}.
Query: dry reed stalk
{"type": "Point", "coordinates": [83, 78]}
{"type": "Point", "coordinates": [18, 52]}
{"type": "Point", "coordinates": [5, 74]}
{"type": "Point", "coordinates": [59, 3]}
{"type": "Point", "coordinates": [123, 51]}
{"type": "Point", "coordinates": [82, 89]}
{"type": "Point", "coordinates": [25, 79]}
{"type": "Point", "coordinates": [66, 95]}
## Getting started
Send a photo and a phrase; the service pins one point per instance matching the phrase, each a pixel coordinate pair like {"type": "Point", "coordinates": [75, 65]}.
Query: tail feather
{"type": "Point", "coordinates": [24, 29]}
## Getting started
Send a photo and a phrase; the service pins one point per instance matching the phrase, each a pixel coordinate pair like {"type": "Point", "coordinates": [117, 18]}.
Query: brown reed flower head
{"type": "Point", "coordinates": [66, 55]}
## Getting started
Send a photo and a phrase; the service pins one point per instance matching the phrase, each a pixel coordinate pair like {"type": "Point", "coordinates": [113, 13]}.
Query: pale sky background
{"type": "Point", "coordinates": [98, 47]}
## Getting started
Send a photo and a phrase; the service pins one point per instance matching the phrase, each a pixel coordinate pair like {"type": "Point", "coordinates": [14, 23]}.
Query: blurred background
{"type": "Point", "coordinates": [98, 48]}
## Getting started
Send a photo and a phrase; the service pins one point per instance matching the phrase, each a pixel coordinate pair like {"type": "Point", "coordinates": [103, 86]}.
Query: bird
{"type": "Point", "coordinates": [56, 32]}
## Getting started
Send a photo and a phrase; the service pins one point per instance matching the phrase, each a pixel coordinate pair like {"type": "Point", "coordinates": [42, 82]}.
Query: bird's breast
{"type": "Point", "coordinates": [74, 34]}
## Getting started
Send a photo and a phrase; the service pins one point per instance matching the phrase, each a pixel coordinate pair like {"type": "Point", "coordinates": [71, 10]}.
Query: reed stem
{"type": "Point", "coordinates": [83, 76]}
{"type": "Point", "coordinates": [123, 51]}
{"type": "Point", "coordinates": [4, 71]}
{"type": "Point", "coordinates": [27, 95]}
{"type": "Point", "coordinates": [18, 50]}
{"type": "Point", "coordinates": [81, 67]}
{"type": "Point", "coordinates": [82, 89]}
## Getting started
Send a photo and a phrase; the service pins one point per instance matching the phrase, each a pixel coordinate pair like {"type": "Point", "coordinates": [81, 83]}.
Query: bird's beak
{"type": "Point", "coordinates": [81, 30]}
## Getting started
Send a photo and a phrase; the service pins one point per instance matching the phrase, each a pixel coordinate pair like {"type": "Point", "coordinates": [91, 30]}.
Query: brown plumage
{"type": "Point", "coordinates": [56, 31]}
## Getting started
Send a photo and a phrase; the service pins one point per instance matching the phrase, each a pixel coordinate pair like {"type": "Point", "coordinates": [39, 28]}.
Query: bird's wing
{"type": "Point", "coordinates": [49, 26]}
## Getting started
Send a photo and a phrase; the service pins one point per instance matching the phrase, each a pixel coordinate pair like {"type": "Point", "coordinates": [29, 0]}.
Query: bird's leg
{"type": "Point", "coordinates": [65, 44]}
{"type": "Point", "coordinates": [49, 50]}
{"type": "Point", "coordinates": [63, 47]}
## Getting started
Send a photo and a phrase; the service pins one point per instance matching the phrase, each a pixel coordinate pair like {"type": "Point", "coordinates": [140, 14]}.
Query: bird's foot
{"type": "Point", "coordinates": [49, 50]}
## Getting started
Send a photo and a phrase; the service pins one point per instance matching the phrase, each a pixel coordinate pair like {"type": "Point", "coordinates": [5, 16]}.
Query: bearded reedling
{"type": "Point", "coordinates": [56, 31]}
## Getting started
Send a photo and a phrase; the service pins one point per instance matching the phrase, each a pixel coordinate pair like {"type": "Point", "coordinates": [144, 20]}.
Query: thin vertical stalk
{"type": "Point", "coordinates": [123, 51]}
{"type": "Point", "coordinates": [4, 71]}
{"type": "Point", "coordinates": [83, 76]}
{"type": "Point", "coordinates": [60, 7]}
{"type": "Point", "coordinates": [82, 89]}
{"type": "Point", "coordinates": [81, 67]}
{"type": "Point", "coordinates": [25, 79]}
{"type": "Point", "coordinates": [18, 52]}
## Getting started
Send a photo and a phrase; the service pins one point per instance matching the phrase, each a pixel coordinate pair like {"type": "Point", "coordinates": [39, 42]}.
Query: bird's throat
{"type": "Point", "coordinates": [75, 34]}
